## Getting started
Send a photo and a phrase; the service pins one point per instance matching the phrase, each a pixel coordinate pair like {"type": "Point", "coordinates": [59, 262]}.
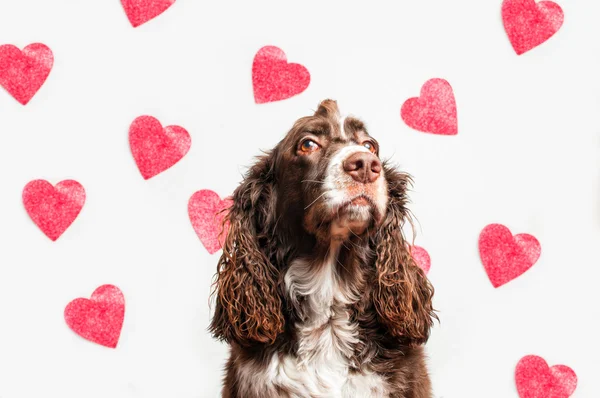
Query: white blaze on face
{"type": "Point", "coordinates": [342, 130]}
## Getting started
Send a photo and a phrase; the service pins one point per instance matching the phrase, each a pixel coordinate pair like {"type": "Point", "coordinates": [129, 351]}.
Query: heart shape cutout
{"type": "Point", "coordinates": [529, 24]}
{"type": "Point", "coordinates": [434, 111]}
{"type": "Point", "coordinates": [100, 318]}
{"type": "Point", "coordinates": [22, 73]}
{"type": "Point", "coordinates": [504, 256]}
{"type": "Point", "coordinates": [205, 209]}
{"type": "Point", "coordinates": [141, 11]}
{"type": "Point", "coordinates": [53, 208]}
{"type": "Point", "coordinates": [536, 380]}
{"type": "Point", "coordinates": [154, 148]}
{"type": "Point", "coordinates": [422, 258]}
{"type": "Point", "coordinates": [274, 79]}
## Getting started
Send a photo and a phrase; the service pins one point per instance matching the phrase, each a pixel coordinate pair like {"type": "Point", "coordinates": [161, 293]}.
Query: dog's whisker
{"type": "Point", "coordinates": [314, 201]}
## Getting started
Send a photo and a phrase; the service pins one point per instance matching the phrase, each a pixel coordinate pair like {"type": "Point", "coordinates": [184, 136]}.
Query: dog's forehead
{"type": "Point", "coordinates": [344, 127]}
{"type": "Point", "coordinates": [350, 128]}
{"type": "Point", "coordinates": [329, 124]}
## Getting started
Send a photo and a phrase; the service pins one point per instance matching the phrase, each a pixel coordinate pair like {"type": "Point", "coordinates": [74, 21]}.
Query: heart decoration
{"type": "Point", "coordinates": [434, 111]}
{"type": "Point", "coordinates": [536, 380]}
{"type": "Point", "coordinates": [142, 11]}
{"type": "Point", "coordinates": [154, 148]}
{"type": "Point", "coordinates": [22, 73]}
{"type": "Point", "coordinates": [274, 79]}
{"type": "Point", "coordinates": [504, 256]}
{"type": "Point", "coordinates": [422, 258]}
{"type": "Point", "coordinates": [53, 208]}
{"type": "Point", "coordinates": [205, 209]}
{"type": "Point", "coordinates": [100, 318]}
{"type": "Point", "coordinates": [529, 24]}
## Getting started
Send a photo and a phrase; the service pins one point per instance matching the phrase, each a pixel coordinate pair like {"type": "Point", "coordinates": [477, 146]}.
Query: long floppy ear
{"type": "Point", "coordinates": [402, 293]}
{"type": "Point", "coordinates": [248, 305]}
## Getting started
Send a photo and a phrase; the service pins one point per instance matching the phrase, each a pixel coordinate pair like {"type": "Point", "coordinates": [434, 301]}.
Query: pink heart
{"type": "Point", "coordinates": [529, 24]}
{"type": "Point", "coordinates": [422, 258]}
{"type": "Point", "coordinates": [434, 111]}
{"type": "Point", "coordinates": [141, 11]}
{"type": "Point", "coordinates": [506, 257]}
{"type": "Point", "coordinates": [275, 79]}
{"type": "Point", "coordinates": [205, 209]}
{"type": "Point", "coordinates": [536, 380]}
{"type": "Point", "coordinates": [156, 149]}
{"type": "Point", "coordinates": [53, 209]}
{"type": "Point", "coordinates": [22, 73]}
{"type": "Point", "coordinates": [100, 319]}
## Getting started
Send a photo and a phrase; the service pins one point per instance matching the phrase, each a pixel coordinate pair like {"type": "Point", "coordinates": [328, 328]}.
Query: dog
{"type": "Point", "coordinates": [316, 291]}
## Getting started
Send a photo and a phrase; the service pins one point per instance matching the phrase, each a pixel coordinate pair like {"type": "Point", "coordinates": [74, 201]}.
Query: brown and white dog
{"type": "Point", "coordinates": [316, 290]}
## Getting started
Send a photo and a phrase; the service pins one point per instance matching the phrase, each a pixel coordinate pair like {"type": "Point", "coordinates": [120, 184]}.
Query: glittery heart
{"type": "Point", "coordinates": [22, 73]}
{"type": "Point", "coordinates": [422, 258]}
{"type": "Point", "coordinates": [528, 24]}
{"type": "Point", "coordinates": [536, 380]}
{"type": "Point", "coordinates": [154, 148]}
{"type": "Point", "coordinates": [53, 208]}
{"type": "Point", "coordinates": [274, 79]}
{"type": "Point", "coordinates": [504, 256]}
{"type": "Point", "coordinates": [205, 211]}
{"type": "Point", "coordinates": [141, 11]}
{"type": "Point", "coordinates": [99, 319]}
{"type": "Point", "coordinates": [434, 111]}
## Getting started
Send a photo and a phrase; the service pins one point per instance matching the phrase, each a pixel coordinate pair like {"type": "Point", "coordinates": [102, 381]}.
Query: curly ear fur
{"type": "Point", "coordinates": [248, 305]}
{"type": "Point", "coordinates": [402, 294]}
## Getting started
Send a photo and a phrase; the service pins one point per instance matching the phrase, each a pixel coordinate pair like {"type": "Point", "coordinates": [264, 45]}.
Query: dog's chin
{"type": "Point", "coordinates": [353, 218]}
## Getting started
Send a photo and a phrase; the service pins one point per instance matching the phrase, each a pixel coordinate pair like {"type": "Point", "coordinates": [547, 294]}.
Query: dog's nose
{"type": "Point", "coordinates": [363, 167]}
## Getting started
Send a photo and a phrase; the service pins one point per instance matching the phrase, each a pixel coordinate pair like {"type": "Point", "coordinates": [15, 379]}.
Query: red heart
{"type": "Point", "coordinates": [141, 11]}
{"type": "Point", "coordinates": [53, 209]}
{"type": "Point", "coordinates": [22, 73]}
{"type": "Point", "coordinates": [205, 211]}
{"type": "Point", "coordinates": [536, 380]}
{"type": "Point", "coordinates": [100, 319]}
{"type": "Point", "coordinates": [506, 257]}
{"type": "Point", "coordinates": [422, 258]}
{"type": "Point", "coordinates": [156, 149]}
{"type": "Point", "coordinates": [434, 111]}
{"type": "Point", "coordinates": [529, 24]}
{"type": "Point", "coordinates": [274, 79]}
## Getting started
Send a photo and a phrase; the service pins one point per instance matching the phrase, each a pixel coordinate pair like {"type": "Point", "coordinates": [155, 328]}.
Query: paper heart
{"type": "Point", "coordinates": [99, 319]}
{"type": "Point", "coordinates": [536, 380]}
{"type": "Point", "coordinates": [141, 11]}
{"type": "Point", "coordinates": [53, 208]}
{"type": "Point", "coordinates": [22, 73]}
{"type": "Point", "coordinates": [528, 24]}
{"type": "Point", "coordinates": [505, 256]}
{"type": "Point", "coordinates": [422, 258]}
{"type": "Point", "coordinates": [274, 79]}
{"type": "Point", "coordinates": [434, 111]}
{"type": "Point", "coordinates": [154, 148]}
{"type": "Point", "coordinates": [205, 212]}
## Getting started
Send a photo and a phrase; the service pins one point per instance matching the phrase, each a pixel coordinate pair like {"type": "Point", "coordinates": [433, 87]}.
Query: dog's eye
{"type": "Point", "coordinates": [308, 146]}
{"type": "Point", "coordinates": [370, 146]}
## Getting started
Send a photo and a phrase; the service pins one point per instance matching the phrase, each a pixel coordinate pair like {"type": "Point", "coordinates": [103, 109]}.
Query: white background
{"type": "Point", "coordinates": [527, 156]}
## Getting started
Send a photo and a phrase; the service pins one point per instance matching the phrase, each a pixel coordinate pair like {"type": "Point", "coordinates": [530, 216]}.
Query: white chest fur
{"type": "Point", "coordinates": [326, 340]}
{"type": "Point", "coordinates": [326, 337]}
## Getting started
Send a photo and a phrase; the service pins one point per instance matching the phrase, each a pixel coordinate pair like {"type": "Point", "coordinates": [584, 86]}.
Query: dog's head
{"type": "Point", "coordinates": [323, 183]}
{"type": "Point", "coordinates": [329, 176]}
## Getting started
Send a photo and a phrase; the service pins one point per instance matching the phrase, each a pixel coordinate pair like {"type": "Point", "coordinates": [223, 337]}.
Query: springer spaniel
{"type": "Point", "coordinates": [316, 290]}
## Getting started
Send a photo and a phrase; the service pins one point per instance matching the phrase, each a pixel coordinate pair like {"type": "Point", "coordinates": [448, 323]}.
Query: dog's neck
{"type": "Point", "coordinates": [327, 277]}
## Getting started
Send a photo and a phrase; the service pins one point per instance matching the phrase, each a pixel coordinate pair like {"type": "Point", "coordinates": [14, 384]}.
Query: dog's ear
{"type": "Point", "coordinates": [248, 305]}
{"type": "Point", "coordinates": [402, 294]}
